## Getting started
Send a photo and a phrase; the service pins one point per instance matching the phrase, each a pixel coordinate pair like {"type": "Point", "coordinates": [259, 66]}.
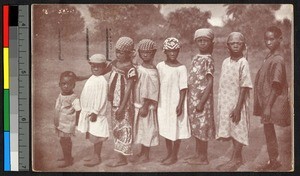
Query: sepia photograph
{"type": "Point", "coordinates": [162, 87]}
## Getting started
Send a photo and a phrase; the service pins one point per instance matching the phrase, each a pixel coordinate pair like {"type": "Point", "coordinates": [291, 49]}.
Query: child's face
{"type": "Point", "coordinates": [204, 44]}
{"type": "Point", "coordinates": [123, 55]}
{"type": "Point", "coordinates": [271, 41]}
{"type": "Point", "coordinates": [97, 69]}
{"type": "Point", "coordinates": [66, 85]}
{"type": "Point", "coordinates": [172, 54]}
{"type": "Point", "coordinates": [146, 55]}
{"type": "Point", "coordinates": [235, 45]}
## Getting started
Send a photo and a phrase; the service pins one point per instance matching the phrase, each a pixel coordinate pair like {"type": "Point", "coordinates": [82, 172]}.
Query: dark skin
{"type": "Point", "coordinates": [173, 62]}
{"type": "Point", "coordinates": [147, 56]}
{"type": "Point", "coordinates": [123, 60]}
{"type": "Point", "coordinates": [205, 47]}
{"type": "Point", "coordinates": [236, 48]}
{"type": "Point", "coordinates": [273, 44]}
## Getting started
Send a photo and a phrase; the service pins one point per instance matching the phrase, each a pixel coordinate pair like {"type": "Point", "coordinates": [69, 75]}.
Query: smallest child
{"type": "Point", "coordinates": [68, 109]}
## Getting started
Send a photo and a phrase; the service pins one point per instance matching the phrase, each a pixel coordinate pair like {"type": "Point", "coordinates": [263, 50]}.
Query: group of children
{"type": "Point", "coordinates": [148, 101]}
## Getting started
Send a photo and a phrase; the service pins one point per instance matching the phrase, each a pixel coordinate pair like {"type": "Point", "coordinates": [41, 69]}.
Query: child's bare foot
{"type": "Point", "coordinates": [88, 158]}
{"type": "Point", "coordinates": [61, 159]}
{"type": "Point", "coordinates": [143, 159]}
{"type": "Point", "coordinates": [65, 163]}
{"type": "Point", "coordinates": [270, 166]}
{"type": "Point", "coordinates": [191, 157]}
{"type": "Point", "coordinates": [167, 157]}
{"type": "Point", "coordinates": [170, 161]}
{"type": "Point", "coordinates": [198, 161]}
{"type": "Point", "coordinates": [93, 162]}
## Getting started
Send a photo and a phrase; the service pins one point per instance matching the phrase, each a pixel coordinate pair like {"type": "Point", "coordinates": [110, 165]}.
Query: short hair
{"type": "Point", "coordinates": [70, 75]}
{"type": "Point", "coordinates": [275, 30]}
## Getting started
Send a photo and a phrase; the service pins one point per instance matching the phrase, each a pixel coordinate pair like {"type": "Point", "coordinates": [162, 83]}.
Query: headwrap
{"type": "Point", "coordinates": [204, 32]}
{"type": "Point", "coordinates": [147, 44]}
{"type": "Point", "coordinates": [97, 58]}
{"type": "Point", "coordinates": [171, 44]}
{"type": "Point", "coordinates": [236, 36]}
{"type": "Point", "coordinates": [125, 44]}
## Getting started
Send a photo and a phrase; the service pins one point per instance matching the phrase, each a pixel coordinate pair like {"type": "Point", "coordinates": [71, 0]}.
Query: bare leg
{"type": "Point", "coordinates": [169, 146]}
{"type": "Point", "coordinates": [173, 158]}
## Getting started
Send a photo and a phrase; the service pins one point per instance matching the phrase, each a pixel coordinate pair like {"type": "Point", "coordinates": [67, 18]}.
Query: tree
{"type": "Point", "coordinates": [251, 20]}
{"type": "Point", "coordinates": [187, 20]}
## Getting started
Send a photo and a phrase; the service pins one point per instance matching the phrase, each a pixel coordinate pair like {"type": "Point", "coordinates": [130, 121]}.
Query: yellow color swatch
{"type": "Point", "coordinates": [6, 67]}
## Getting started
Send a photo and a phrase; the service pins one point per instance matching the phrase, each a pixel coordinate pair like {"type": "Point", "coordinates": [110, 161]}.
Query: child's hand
{"type": "Point", "coordinates": [120, 113]}
{"type": "Point", "coordinates": [179, 110]}
{"type": "Point", "coordinates": [200, 107]}
{"type": "Point", "coordinates": [93, 117]}
{"type": "Point", "coordinates": [235, 115]}
{"type": "Point", "coordinates": [267, 114]}
{"type": "Point", "coordinates": [143, 111]}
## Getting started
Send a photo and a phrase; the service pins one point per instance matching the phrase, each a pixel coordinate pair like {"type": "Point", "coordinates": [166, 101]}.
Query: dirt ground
{"type": "Point", "coordinates": [46, 69]}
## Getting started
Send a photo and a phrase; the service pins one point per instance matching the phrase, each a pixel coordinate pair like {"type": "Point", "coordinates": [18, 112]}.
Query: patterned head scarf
{"type": "Point", "coordinates": [125, 44]}
{"type": "Point", "coordinates": [204, 32]}
{"type": "Point", "coordinates": [171, 43]}
{"type": "Point", "coordinates": [147, 44]}
{"type": "Point", "coordinates": [236, 36]}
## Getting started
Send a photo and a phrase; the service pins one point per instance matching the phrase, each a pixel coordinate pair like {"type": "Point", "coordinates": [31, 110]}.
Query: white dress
{"type": "Point", "coordinates": [147, 86]}
{"type": "Point", "coordinates": [172, 80]}
{"type": "Point", "coordinates": [93, 99]}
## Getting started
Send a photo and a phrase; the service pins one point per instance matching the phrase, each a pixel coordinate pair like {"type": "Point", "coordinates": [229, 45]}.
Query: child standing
{"type": "Point", "coordinates": [172, 108]}
{"type": "Point", "coordinates": [92, 120]}
{"type": "Point", "coordinates": [200, 95]}
{"type": "Point", "coordinates": [271, 95]}
{"type": "Point", "coordinates": [146, 97]}
{"type": "Point", "coordinates": [121, 84]}
{"type": "Point", "coordinates": [68, 109]}
{"type": "Point", "coordinates": [233, 100]}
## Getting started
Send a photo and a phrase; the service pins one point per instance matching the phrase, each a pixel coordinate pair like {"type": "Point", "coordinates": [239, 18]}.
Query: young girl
{"type": "Point", "coordinates": [172, 108]}
{"type": "Point", "coordinates": [233, 100]}
{"type": "Point", "coordinates": [146, 97]}
{"type": "Point", "coordinates": [271, 95]}
{"type": "Point", "coordinates": [92, 120]}
{"type": "Point", "coordinates": [121, 83]}
{"type": "Point", "coordinates": [200, 95]}
{"type": "Point", "coordinates": [68, 109]}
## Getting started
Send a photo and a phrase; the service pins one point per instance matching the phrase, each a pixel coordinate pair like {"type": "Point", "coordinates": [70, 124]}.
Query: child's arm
{"type": "Point", "coordinates": [235, 115]}
{"type": "Point", "coordinates": [206, 93]}
{"type": "Point", "coordinates": [81, 78]}
{"type": "Point", "coordinates": [267, 111]}
{"type": "Point", "coordinates": [181, 100]}
{"type": "Point", "coordinates": [120, 112]}
{"type": "Point", "coordinates": [144, 110]}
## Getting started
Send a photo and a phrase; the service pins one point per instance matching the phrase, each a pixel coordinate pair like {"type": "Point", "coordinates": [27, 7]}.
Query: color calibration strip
{"type": "Point", "coordinates": [7, 164]}
{"type": "Point", "coordinates": [16, 87]}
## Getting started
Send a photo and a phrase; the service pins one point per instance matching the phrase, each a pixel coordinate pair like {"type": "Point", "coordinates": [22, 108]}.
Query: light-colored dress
{"type": "Point", "coordinates": [234, 75]}
{"type": "Point", "coordinates": [93, 99]}
{"type": "Point", "coordinates": [172, 80]}
{"type": "Point", "coordinates": [66, 107]}
{"type": "Point", "coordinates": [122, 130]}
{"type": "Point", "coordinates": [147, 86]}
{"type": "Point", "coordinates": [202, 123]}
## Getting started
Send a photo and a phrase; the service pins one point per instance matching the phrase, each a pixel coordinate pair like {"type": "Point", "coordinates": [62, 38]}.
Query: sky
{"type": "Point", "coordinates": [218, 11]}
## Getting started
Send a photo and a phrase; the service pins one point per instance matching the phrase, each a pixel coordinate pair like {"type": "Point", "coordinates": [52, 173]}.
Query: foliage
{"type": "Point", "coordinates": [187, 20]}
{"type": "Point", "coordinates": [252, 20]}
